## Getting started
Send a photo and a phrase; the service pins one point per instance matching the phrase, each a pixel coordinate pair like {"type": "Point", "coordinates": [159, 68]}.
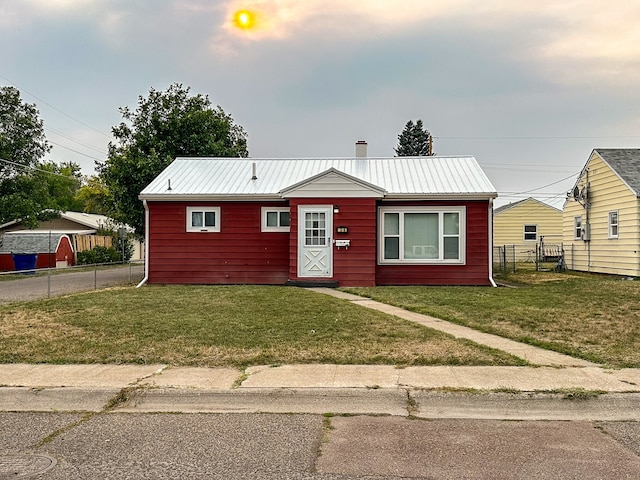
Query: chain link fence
{"type": "Point", "coordinates": [545, 256]}
{"type": "Point", "coordinates": [28, 285]}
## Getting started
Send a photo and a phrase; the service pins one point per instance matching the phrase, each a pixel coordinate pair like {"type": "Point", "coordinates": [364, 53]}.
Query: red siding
{"type": "Point", "coordinates": [64, 253]}
{"type": "Point", "coordinates": [474, 272]}
{"type": "Point", "coordinates": [44, 260]}
{"type": "Point", "coordinates": [355, 266]}
{"type": "Point", "coordinates": [239, 253]}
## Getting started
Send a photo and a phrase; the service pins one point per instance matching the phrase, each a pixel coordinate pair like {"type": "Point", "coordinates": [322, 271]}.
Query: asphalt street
{"type": "Point", "coordinates": [73, 446]}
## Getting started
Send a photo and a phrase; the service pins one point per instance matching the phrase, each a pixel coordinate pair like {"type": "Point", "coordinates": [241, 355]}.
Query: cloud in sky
{"type": "Point", "coordinates": [314, 76]}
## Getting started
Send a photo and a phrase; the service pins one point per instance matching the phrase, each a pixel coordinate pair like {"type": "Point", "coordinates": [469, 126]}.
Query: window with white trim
{"type": "Point", "coordinates": [613, 224]}
{"type": "Point", "coordinates": [203, 219]}
{"type": "Point", "coordinates": [577, 227]}
{"type": "Point", "coordinates": [530, 233]}
{"type": "Point", "coordinates": [422, 235]}
{"type": "Point", "coordinates": [276, 219]}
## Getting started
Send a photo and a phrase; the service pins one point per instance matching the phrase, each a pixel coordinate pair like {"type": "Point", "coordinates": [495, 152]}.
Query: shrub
{"type": "Point", "coordinates": [98, 254]}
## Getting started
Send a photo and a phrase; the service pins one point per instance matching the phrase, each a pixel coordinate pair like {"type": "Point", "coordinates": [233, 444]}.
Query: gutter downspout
{"type": "Point", "coordinates": [490, 216]}
{"type": "Point", "coordinates": [146, 245]}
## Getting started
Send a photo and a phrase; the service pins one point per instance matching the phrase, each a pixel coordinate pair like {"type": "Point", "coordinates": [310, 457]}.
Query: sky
{"type": "Point", "coordinates": [528, 88]}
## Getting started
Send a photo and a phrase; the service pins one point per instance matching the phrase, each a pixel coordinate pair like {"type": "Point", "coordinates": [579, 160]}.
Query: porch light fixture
{"type": "Point", "coordinates": [336, 209]}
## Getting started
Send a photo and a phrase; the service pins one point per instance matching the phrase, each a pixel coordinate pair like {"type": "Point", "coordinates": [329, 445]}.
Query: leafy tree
{"type": "Point", "coordinates": [23, 194]}
{"type": "Point", "coordinates": [415, 140]}
{"type": "Point", "coordinates": [24, 197]}
{"type": "Point", "coordinates": [40, 193]}
{"type": "Point", "coordinates": [164, 125]}
{"type": "Point", "coordinates": [93, 195]}
{"type": "Point", "coordinates": [22, 139]}
{"type": "Point", "coordinates": [63, 182]}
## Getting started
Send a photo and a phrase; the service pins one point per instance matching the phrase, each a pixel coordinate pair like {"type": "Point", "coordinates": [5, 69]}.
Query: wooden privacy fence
{"type": "Point", "coordinates": [87, 242]}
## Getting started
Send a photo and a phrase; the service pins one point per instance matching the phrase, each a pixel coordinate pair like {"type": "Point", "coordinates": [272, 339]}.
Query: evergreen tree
{"type": "Point", "coordinates": [415, 140]}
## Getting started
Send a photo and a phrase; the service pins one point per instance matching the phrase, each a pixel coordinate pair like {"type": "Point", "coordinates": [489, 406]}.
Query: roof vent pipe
{"type": "Point", "coordinates": [361, 149]}
{"type": "Point", "coordinates": [169, 184]}
{"type": "Point", "coordinates": [253, 176]}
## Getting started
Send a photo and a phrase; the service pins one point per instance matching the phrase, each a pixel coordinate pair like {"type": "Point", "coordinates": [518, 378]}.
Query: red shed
{"type": "Point", "coordinates": [54, 249]}
{"type": "Point", "coordinates": [348, 221]}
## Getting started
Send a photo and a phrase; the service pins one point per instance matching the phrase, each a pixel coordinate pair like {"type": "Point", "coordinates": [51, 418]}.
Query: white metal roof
{"type": "Point", "coordinates": [228, 178]}
{"type": "Point", "coordinates": [94, 220]}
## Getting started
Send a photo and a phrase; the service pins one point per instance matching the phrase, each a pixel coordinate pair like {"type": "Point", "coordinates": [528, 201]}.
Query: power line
{"type": "Point", "coordinates": [34, 168]}
{"type": "Point", "coordinates": [537, 137]}
{"type": "Point", "coordinates": [76, 151]}
{"type": "Point", "coordinates": [75, 140]}
{"type": "Point", "coordinates": [55, 108]}
{"type": "Point", "coordinates": [550, 184]}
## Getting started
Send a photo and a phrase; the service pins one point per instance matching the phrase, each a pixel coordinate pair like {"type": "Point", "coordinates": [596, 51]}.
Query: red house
{"type": "Point", "coordinates": [336, 221]}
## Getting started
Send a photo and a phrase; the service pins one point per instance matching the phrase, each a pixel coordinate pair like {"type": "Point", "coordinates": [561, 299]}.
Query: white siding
{"type": "Point", "coordinates": [332, 185]}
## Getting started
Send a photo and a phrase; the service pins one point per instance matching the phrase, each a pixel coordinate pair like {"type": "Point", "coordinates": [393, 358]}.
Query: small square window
{"type": "Point", "coordinates": [276, 219]}
{"type": "Point", "coordinates": [531, 232]}
{"type": "Point", "coordinates": [203, 219]}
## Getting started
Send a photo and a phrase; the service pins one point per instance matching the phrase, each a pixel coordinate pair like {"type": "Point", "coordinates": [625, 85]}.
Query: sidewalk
{"type": "Point", "coordinates": [429, 392]}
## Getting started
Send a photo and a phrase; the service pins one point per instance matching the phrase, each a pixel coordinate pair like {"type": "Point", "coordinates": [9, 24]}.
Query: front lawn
{"type": "Point", "coordinates": [595, 317]}
{"type": "Point", "coordinates": [222, 325]}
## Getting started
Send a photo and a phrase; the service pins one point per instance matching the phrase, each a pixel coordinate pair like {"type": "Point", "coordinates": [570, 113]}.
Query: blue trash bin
{"type": "Point", "coordinates": [25, 263]}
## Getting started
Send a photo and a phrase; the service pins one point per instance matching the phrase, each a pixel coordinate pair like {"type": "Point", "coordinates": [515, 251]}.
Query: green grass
{"type": "Point", "coordinates": [594, 317]}
{"type": "Point", "coordinates": [222, 325]}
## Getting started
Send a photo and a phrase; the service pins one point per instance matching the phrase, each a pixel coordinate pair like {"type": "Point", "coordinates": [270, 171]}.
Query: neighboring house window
{"type": "Point", "coordinates": [275, 219]}
{"type": "Point", "coordinates": [531, 232]}
{"type": "Point", "coordinates": [201, 219]}
{"type": "Point", "coordinates": [577, 227]}
{"type": "Point", "coordinates": [613, 224]}
{"type": "Point", "coordinates": [422, 235]}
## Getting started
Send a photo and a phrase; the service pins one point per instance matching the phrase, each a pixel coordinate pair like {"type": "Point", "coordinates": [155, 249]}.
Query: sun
{"type": "Point", "coordinates": [244, 19]}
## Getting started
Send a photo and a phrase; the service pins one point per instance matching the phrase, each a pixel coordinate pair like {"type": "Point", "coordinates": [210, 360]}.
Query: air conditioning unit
{"type": "Point", "coordinates": [585, 232]}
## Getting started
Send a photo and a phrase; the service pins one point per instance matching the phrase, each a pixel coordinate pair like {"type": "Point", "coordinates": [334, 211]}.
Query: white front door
{"type": "Point", "coordinates": [315, 225]}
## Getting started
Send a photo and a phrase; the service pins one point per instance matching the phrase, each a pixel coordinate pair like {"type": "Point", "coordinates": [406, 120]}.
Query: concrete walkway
{"type": "Point", "coordinates": [533, 355]}
{"type": "Point", "coordinates": [524, 393]}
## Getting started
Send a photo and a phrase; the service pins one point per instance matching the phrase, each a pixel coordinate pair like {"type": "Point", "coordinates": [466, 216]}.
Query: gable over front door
{"type": "Point", "coordinates": [315, 248]}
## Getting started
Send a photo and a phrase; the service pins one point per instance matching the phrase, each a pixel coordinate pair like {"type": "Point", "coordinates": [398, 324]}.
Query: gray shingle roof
{"type": "Point", "coordinates": [626, 163]}
{"type": "Point", "coordinates": [30, 242]}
